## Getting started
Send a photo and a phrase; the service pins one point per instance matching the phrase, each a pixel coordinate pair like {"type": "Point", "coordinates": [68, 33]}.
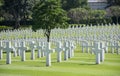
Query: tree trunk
{"type": "Point", "coordinates": [48, 38]}
{"type": "Point", "coordinates": [48, 35]}
{"type": "Point", "coordinates": [17, 22]}
{"type": "Point", "coordinates": [117, 19]}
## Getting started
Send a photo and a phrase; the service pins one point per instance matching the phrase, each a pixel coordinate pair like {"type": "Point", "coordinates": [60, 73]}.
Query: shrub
{"type": "Point", "coordinates": [5, 28]}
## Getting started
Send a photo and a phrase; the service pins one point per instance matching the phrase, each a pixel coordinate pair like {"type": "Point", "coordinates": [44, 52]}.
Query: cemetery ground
{"type": "Point", "coordinates": [82, 64]}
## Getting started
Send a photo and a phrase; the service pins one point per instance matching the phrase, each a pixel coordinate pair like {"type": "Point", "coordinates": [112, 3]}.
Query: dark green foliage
{"type": "Point", "coordinates": [114, 11]}
{"type": "Point", "coordinates": [17, 10]}
{"type": "Point", "coordinates": [113, 2]}
{"type": "Point", "coordinates": [4, 28]}
{"type": "Point", "coordinates": [77, 14]}
{"type": "Point", "coordinates": [48, 15]}
{"type": "Point", "coordinates": [69, 4]}
{"type": "Point", "coordinates": [84, 16]}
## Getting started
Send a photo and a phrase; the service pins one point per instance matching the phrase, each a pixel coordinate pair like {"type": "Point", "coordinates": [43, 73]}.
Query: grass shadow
{"type": "Point", "coordinates": [87, 64]}
{"type": "Point", "coordinates": [3, 64]}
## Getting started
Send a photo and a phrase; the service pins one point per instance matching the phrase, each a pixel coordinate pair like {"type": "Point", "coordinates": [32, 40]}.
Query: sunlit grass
{"type": "Point", "coordinates": [82, 64]}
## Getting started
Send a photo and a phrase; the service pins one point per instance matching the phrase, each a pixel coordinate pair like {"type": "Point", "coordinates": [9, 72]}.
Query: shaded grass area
{"type": "Point", "coordinates": [82, 64]}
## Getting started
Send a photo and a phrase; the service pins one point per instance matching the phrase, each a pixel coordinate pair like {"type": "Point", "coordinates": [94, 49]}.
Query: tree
{"type": "Point", "coordinates": [47, 15]}
{"type": "Point", "coordinates": [113, 2]}
{"type": "Point", "coordinates": [69, 4]}
{"type": "Point", "coordinates": [114, 11]}
{"type": "Point", "coordinates": [1, 2]}
{"type": "Point", "coordinates": [77, 14]}
{"type": "Point", "coordinates": [18, 9]}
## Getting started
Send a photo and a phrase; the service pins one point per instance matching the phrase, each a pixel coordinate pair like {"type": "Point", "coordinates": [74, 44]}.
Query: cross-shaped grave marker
{"type": "Point", "coordinates": [15, 48]}
{"type": "Point", "coordinates": [71, 51]}
{"type": "Point", "coordinates": [48, 52]}
{"type": "Point", "coordinates": [84, 46]}
{"type": "Point", "coordinates": [32, 48]}
{"type": "Point", "coordinates": [96, 51]}
{"type": "Point", "coordinates": [18, 51]}
{"type": "Point", "coordinates": [59, 50]}
{"type": "Point", "coordinates": [22, 49]}
{"type": "Point", "coordinates": [66, 49]}
{"type": "Point", "coordinates": [112, 46]}
{"type": "Point", "coordinates": [8, 49]}
{"type": "Point", "coordinates": [117, 46]}
{"type": "Point", "coordinates": [40, 47]}
{"type": "Point", "coordinates": [106, 47]}
{"type": "Point", "coordinates": [102, 52]}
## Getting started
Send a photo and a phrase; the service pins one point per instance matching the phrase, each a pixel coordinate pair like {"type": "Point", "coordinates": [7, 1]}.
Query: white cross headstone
{"type": "Point", "coordinates": [66, 49]}
{"type": "Point", "coordinates": [59, 50]}
{"type": "Point", "coordinates": [117, 47]}
{"type": "Point", "coordinates": [97, 50]}
{"type": "Point", "coordinates": [32, 48]}
{"type": "Point", "coordinates": [84, 46]}
{"type": "Point", "coordinates": [43, 48]}
{"type": "Point", "coordinates": [8, 50]}
{"type": "Point", "coordinates": [22, 48]}
{"type": "Point", "coordinates": [112, 45]}
{"type": "Point", "coordinates": [15, 48]}
{"type": "Point", "coordinates": [102, 52]}
{"type": "Point", "coordinates": [1, 50]}
{"type": "Point", "coordinates": [40, 48]}
{"type": "Point", "coordinates": [18, 51]}
{"type": "Point", "coordinates": [72, 47]}
{"type": "Point", "coordinates": [91, 46]}
{"type": "Point", "coordinates": [48, 52]}
{"type": "Point", "coordinates": [71, 50]}
{"type": "Point", "coordinates": [106, 47]}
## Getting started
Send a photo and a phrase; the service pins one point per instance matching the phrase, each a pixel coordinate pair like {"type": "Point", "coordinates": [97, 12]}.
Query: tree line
{"type": "Point", "coordinates": [78, 11]}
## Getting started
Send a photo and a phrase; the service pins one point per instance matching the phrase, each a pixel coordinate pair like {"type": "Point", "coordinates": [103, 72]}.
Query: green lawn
{"type": "Point", "coordinates": [82, 64]}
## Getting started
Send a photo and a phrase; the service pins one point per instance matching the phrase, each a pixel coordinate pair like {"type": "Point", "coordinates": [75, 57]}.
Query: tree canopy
{"type": "Point", "coordinates": [17, 9]}
{"type": "Point", "coordinates": [114, 11]}
{"type": "Point", "coordinates": [114, 2]}
{"type": "Point", "coordinates": [47, 15]}
{"type": "Point", "coordinates": [69, 4]}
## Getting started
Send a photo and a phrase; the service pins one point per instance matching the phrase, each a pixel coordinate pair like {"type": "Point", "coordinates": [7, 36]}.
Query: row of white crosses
{"type": "Point", "coordinates": [88, 32]}
{"type": "Point", "coordinates": [85, 32]}
{"type": "Point", "coordinates": [44, 49]}
{"type": "Point", "coordinates": [62, 36]}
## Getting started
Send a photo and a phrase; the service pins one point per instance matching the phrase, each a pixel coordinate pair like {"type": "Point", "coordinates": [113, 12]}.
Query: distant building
{"type": "Point", "coordinates": [97, 4]}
